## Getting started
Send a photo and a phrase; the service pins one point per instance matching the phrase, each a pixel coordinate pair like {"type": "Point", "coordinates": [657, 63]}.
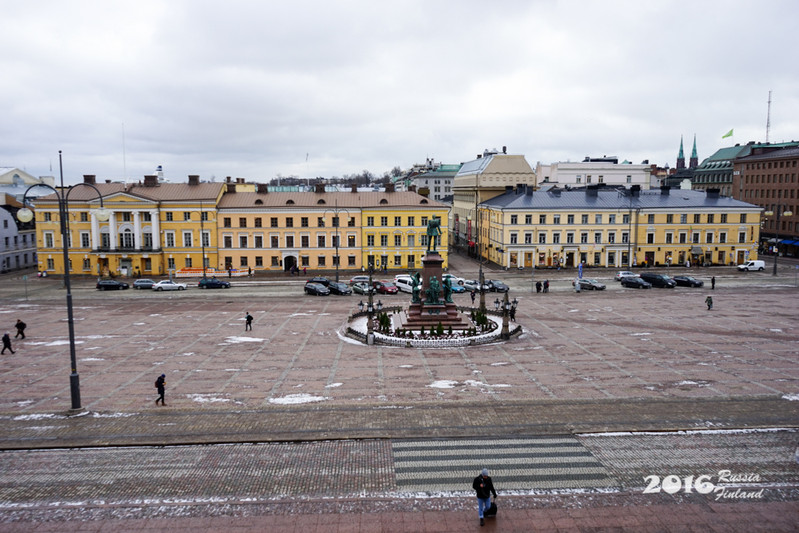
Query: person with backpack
{"type": "Point", "coordinates": [7, 344]}
{"type": "Point", "coordinates": [709, 303]}
{"type": "Point", "coordinates": [20, 325]}
{"type": "Point", "coordinates": [484, 487]}
{"type": "Point", "coordinates": [160, 384]}
{"type": "Point", "coordinates": [248, 322]}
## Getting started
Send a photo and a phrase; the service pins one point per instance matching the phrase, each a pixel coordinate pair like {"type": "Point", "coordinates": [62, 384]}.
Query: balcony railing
{"type": "Point", "coordinates": [126, 250]}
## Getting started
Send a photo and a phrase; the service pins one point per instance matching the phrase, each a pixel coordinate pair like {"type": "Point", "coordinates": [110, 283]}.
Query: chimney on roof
{"type": "Point", "coordinates": [504, 149]}
{"type": "Point", "coordinates": [713, 193]}
{"type": "Point", "coordinates": [227, 179]}
{"type": "Point", "coordinates": [591, 191]}
{"type": "Point", "coordinates": [508, 188]}
{"type": "Point", "coordinates": [239, 180]}
{"type": "Point", "coordinates": [664, 190]}
{"type": "Point", "coordinates": [319, 188]}
{"type": "Point", "coordinates": [555, 191]}
{"type": "Point", "coordinates": [479, 156]}
{"type": "Point", "coordinates": [151, 181]}
{"type": "Point", "coordinates": [354, 187]}
{"type": "Point", "coordinates": [389, 187]}
{"type": "Point", "coordinates": [89, 178]}
{"type": "Point", "coordinates": [108, 181]}
{"type": "Point", "coordinates": [194, 179]}
{"type": "Point", "coordinates": [529, 190]}
{"type": "Point", "coordinates": [230, 187]}
{"type": "Point", "coordinates": [635, 191]}
{"type": "Point", "coordinates": [263, 188]}
{"type": "Point", "coordinates": [411, 188]}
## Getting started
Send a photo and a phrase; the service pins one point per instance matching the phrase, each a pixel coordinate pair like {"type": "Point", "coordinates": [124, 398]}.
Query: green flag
{"type": "Point", "coordinates": [728, 134]}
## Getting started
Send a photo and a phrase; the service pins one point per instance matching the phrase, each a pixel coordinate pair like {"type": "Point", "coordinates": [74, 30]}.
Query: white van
{"type": "Point", "coordinates": [752, 265]}
{"type": "Point", "coordinates": [404, 283]}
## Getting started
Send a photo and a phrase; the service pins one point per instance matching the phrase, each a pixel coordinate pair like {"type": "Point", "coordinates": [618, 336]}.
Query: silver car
{"type": "Point", "coordinates": [169, 285]}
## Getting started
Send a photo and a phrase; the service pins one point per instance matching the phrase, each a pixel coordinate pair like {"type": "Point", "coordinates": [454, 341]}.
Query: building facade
{"type": "Point", "coordinates": [320, 230]}
{"type": "Point", "coordinates": [618, 228]}
{"type": "Point", "coordinates": [480, 180]}
{"type": "Point", "coordinates": [594, 171]}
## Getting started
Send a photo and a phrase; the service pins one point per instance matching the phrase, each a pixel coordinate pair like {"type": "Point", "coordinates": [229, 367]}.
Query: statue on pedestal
{"type": "Point", "coordinates": [417, 288]}
{"type": "Point", "coordinates": [433, 231]}
{"type": "Point", "coordinates": [448, 290]}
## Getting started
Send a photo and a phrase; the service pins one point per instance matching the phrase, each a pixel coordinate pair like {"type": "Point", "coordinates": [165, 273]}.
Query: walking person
{"type": "Point", "coordinates": [160, 384]}
{"type": "Point", "coordinates": [6, 344]}
{"type": "Point", "coordinates": [20, 325]}
{"type": "Point", "coordinates": [484, 488]}
{"type": "Point", "coordinates": [537, 286]}
{"type": "Point", "coordinates": [473, 296]}
{"type": "Point", "coordinates": [709, 302]}
{"type": "Point", "coordinates": [248, 322]}
{"type": "Point", "coordinates": [546, 285]}
{"type": "Point", "coordinates": [713, 283]}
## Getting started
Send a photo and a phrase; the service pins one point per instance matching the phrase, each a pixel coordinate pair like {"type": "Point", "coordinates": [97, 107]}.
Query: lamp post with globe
{"type": "Point", "coordinates": [102, 214]}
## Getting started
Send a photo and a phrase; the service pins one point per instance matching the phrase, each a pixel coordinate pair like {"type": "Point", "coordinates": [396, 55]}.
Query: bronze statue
{"type": "Point", "coordinates": [432, 290]}
{"type": "Point", "coordinates": [417, 288]}
{"type": "Point", "coordinates": [433, 231]}
{"type": "Point", "coordinates": [448, 290]}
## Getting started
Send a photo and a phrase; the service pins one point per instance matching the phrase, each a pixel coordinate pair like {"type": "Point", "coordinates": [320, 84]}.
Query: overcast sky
{"type": "Point", "coordinates": [257, 89]}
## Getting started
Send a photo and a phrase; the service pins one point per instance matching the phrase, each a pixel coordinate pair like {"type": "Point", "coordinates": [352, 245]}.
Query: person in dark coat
{"type": "Point", "coordinates": [709, 303]}
{"type": "Point", "coordinates": [713, 283]}
{"type": "Point", "coordinates": [537, 286]}
{"type": "Point", "coordinates": [160, 384]}
{"type": "Point", "coordinates": [484, 488]}
{"type": "Point", "coordinates": [546, 285]}
{"type": "Point", "coordinates": [6, 344]}
{"type": "Point", "coordinates": [248, 322]}
{"type": "Point", "coordinates": [20, 325]}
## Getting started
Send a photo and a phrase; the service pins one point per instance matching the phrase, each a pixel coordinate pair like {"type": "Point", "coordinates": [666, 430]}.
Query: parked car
{"type": "Point", "coordinates": [624, 274]}
{"type": "Point", "coordinates": [213, 283]}
{"type": "Point", "coordinates": [635, 282]}
{"type": "Point", "coordinates": [316, 289]}
{"type": "Point", "coordinates": [455, 279]}
{"type": "Point", "coordinates": [752, 265]}
{"type": "Point", "coordinates": [687, 281]}
{"type": "Point", "coordinates": [320, 280]}
{"type": "Point", "coordinates": [339, 288]}
{"type": "Point", "coordinates": [362, 287]}
{"type": "Point", "coordinates": [590, 285]}
{"type": "Point", "coordinates": [169, 285]}
{"type": "Point", "coordinates": [458, 288]}
{"type": "Point", "coordinates": [359, 279]}
{"type": "Point", "coordinates": [385, 287]}
{"type": "Point", "coordinates": [474, 285]}
{"type": "Point", "coordinates": [494, 285]}
{"type": "Point", "coordinates": [658, 280]}
{"type": "Point", "coordinates": [143, 284]}
{"type": "Point", "coordinates": [111, 285]}
{"type": "Point", "coordinates": [404, 283]}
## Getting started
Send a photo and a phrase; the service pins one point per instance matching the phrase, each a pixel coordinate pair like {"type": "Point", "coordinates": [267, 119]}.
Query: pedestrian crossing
{"type": "Point", "coordinates": [524, 463]}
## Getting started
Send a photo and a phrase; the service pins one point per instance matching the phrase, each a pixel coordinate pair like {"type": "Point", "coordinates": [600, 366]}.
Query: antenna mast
{"type": "Point", "coordinates": [768, 117]}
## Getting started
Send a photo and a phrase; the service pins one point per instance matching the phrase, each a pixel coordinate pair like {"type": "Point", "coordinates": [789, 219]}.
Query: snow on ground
{"type": "Point", "coordinates": [791, 397]}
{"type": "Point", "coordinates": [206, 398]}
{"type": "Point", "coordinates": [239, 340]}
{"type": "Point", "coordinates": [443, 384]}
{"type": "Point", "coordinates": [333, 385]}
{"type": "Point", "coordinates": [293, 399]}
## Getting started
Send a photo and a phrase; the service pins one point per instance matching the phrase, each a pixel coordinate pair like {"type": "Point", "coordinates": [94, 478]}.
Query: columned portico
{"type": "Point", "coordinates": [112, 231]}
{"type": "Point", "coordinates": [136, 230]}
{"type": "Point", "coordinates": [156, 229]}
{"type": "Point", "coordinates": [96, 242]}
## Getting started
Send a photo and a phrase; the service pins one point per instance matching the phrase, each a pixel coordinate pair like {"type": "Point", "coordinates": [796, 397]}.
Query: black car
{"type": "Point", "coordinates": [635, 283]}
{"type": "Point", "coordinates": [320, 280]}
{"type": "Point", "coordinates": [495, 285]}
{"type": "Point", "coordinates": [687, 281]}
{"type": "Point", "coordinates": [213, 283]}
{"type": "Point", "coordinates": [590, 285]}
{"type": "Point", "coordinates": [111, 285]}
{"type": "Point", "coordinates": [316, 289]}
{"type": "Point", "coordinates": [336, 287]}
{"type": "Point", "coordinates": [658, 280]}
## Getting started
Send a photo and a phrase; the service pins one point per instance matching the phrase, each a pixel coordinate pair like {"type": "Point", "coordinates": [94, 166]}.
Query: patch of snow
{"type": "Point", "coordinates": [791, 397]}
{"type": "Point", "coordinates": [92, 359]}
{"type": "Point", "coordinates": [333, 385]}
{"type": "Point", "coordinates": [406, 366]}
{"type": "Point", "coordinates": [61, 343]}
{"type": "Point", "coordinates": [113, 415]}
{"type": "Point", "coordinates": [239, 340]}
{"type": "Point", "coordinates": [139, 324]}
{"type": "Point", "coordinates": [206, 398]}
{"type": "Point", "coordinates": [24, 403]}
{"type": "Point", "coordinates": [775, 330]}
{"type": "Point", "coordinates": [574, 310]}
{"type": "Point", "coordinates": [639, 334]}
{"type": "Point", "coordinates": [443, 384]}
{"type": "Point", "coordinates": [687, 432]}
{"type": "Point", "coordinates": [503, 363]}
{"type": "Point", "coordinates": [293, 399]}
{"type": "Point", "coordinates": [39, 416]}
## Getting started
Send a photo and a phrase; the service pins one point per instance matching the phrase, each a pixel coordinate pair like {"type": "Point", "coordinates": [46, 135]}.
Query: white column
{"type": "Point", "coordinates": [156, 229]}
{"type": "Point", "coordinates": [96, 242]}
{"type": "Point", "coordinates": [136, 230]}
{"type": "Point", "coordinates": [112, 231]}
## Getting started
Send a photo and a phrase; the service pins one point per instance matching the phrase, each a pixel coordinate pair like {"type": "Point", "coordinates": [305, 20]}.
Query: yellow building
{"type": "Point", "coordinates": [617, 228]}
{"type": "Point", "coordinates": [277, 231]}
{"type": "Point", "coordinates": [153, 228]}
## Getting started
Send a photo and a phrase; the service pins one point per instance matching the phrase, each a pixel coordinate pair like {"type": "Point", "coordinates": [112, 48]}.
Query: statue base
{"type": "Point", "coordinates": [430, 315]}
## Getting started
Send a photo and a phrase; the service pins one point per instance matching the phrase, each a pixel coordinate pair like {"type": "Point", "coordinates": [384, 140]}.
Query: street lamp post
{"type": "Point", "coordinates": [337, 221]}
{"type": "Point", "coordinates": [26, 215]}
{"type": "Point", "coordinates": [777, 233]}
{"type": "Point", "coordinates": [370, 309]}
{"type": "Point", "coordinates": [505, 313]}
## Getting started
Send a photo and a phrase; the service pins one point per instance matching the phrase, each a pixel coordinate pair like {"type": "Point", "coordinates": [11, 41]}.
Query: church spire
{"type": "Point", "coordinates": [694, 158]}
{"type": "Point", "coordinates": [680, 157]}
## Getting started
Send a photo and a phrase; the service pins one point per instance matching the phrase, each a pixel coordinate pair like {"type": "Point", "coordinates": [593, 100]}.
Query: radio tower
{"type": "Point", "coordinates": [768, 117]}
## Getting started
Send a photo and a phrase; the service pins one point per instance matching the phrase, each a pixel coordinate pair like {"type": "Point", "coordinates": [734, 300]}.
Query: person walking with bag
{"type": "Point", "coordinates": [20, 325]}
{"type": "Point", "coordinates": [7, 344]}
{"type": "Point", "coordinates": [484, 488]}
{"type": "Point", "coordinates": [248, 322]}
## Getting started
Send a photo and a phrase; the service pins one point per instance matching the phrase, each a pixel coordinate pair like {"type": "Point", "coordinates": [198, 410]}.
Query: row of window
{"type": "Point", "coordinates": [770, 164]}
{"type": "Point", "coordinates": [771, 178]}
{"type": "Point", "coordinates": [625, 219]}
{"type": "Point", "coordinates": [770, 193]}
{"type": "Point", "coordinates": [321, 241]}
{"type": "Point", "coordinates": [305, 222]}
{"type": "Point", "coordinates": [16, 240]}
{"type": "Point", "coordinates": [598, 237]}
